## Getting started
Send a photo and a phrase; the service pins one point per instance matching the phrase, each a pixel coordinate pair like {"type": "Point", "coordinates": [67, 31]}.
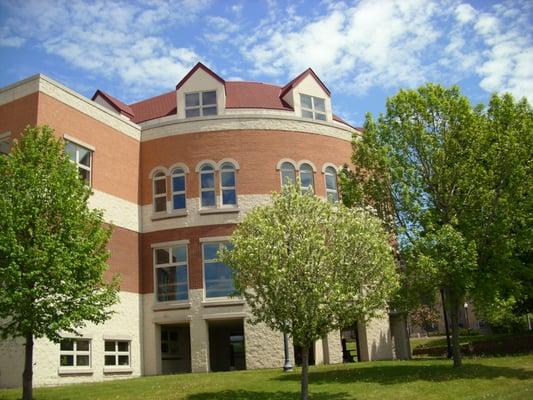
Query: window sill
{"type": "Point", "coordinates": [222, 303]}
{"type": "Point", "coordinates": [171, 306]}
{"type": "Point", "coordinates": [174, 214]}
{"type": "Point", "coordinates": [74, 371]}
{"type": "Point", "coordinates": [219, 210]}
{"type": "Point", "coordinates": [118, 370]}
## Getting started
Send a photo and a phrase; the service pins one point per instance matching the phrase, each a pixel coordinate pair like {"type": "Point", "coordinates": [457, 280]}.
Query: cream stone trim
{"type": "Point", "coordinates": [125, 338]}
{"type": "Point", "coordinates": [163, 306]}
{"type": "Point", "coordinates": [157, 169]}
{"type": "Point", "coordinates": [201, 163]}
{"type": "Point", "coordinates": [172, 126]}
{"type": "Point", "coordinates": [284, 160]}
{"type": "Point", "coordinates": [169, 244]}
{"type": "Point", "coordinates": [228, 315]}
{"type": "Point", "coordinates": [171, 320]}
{"type": "Point", "coordinates": [223, 303]}
{"type": "Point", "coordinates": [306, 162]}
{"type": "Point", "coordinates": [329, 164]}
{"type": "Point", "coordinates": [5, 135]}
{"type": "Point", "coordinates": [263, 111]}
{"type": "Point", "coordinates": [48, 86]}
{"type": "Point", "coordinates": [230, 160]}
{"type": "Point", "coordinates": [80, 142]}
{"type": "Point", "coordinates": [214, 239]}
{"type": "Point", "coordinates": [74, 371]}
{"type": "Point", "coordinates": [117, 211]}
{"type": "Point", "coordinates": [178, 165]}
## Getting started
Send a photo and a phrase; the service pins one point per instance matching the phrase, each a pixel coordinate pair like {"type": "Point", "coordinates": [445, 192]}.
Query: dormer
{"type": "Point", "coordinates": [112, 104]}
{"type": "Point", "coordinates": [201, 93]}
{"type": "Point", "coordinates": [308, 96]}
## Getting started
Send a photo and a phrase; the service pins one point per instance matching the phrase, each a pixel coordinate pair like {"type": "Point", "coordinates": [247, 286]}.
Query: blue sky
{"type": "Point", "coordinates": [363, 50]}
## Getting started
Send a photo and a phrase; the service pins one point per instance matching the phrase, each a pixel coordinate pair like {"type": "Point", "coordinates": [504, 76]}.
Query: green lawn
{"type": "Point", "coordinates": [482, 378]}
{"type": "Point", "coordinates": [440, 341]}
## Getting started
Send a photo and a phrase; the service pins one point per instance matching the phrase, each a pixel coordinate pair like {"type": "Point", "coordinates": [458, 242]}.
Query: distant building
{"type": "Point", "coordinates": [175, 173]}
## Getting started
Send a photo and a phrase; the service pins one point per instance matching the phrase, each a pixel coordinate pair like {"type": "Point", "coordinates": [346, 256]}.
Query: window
{"type": "Point", "coordinates": [4, 143]}
{"type": "Point", "coordinates": [313, 107]}
{"type": "Point", "coordinates": [218, 276]}
{"type": "Point", "coordinates": [82, 157]}
{"type": "Point", "coordinates": [116, 353]}
{"type": "Point", "coordinates": [171, 273]}
{"type": "Point", "coordinates": [228, 184]}
{"type": "Point", "coordinates": [288, 174]}
{"type": "Point", "coordinates": [75, 353]}
{"type": "Point", "coordinates": [207, 186]}
{"type": "Point", "coordinates": [331, 185]}
{"type": "Point", "coordinates": [178, 189]}
{"type": "Point", "coordinates": [160, 192]}
{"type": "Point", "coordinates": [306, 178]}
{"type": "Point", "coordinates": [200, 104]}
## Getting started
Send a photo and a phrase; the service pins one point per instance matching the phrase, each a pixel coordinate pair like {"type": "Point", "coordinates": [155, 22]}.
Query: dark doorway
{"type": "Point", "coordinates": [175, 349]}
{"type": "Point", "coordinates": [298, 355]}
{"type": "Point", "coordinates": [350, 344]}
{"type": "Point", "coordinates": [226, 345]}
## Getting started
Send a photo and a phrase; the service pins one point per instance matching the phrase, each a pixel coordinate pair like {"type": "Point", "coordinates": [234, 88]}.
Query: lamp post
{"type": "Point", "coordinates": [466, 316]}
{"type": "Point", "coordinates": [287, 366]}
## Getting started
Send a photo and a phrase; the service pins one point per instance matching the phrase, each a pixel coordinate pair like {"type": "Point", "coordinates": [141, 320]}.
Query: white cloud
{"type": "Point", "coordinates": [465, 13]}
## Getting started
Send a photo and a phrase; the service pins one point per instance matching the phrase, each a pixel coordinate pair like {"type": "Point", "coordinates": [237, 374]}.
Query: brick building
{"type": "Point", "coordinates": [174, 174]}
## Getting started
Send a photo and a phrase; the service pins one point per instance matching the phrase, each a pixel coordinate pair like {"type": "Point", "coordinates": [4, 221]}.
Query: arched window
{"type": "Point", "coordinates": [178, 189]}
{"type": "Point", "coordinates": [332, 194]}
{"type": "Point", "coordinates": [288, 173]}
{"type": "Point", "coordinates": [207, 186]}
{"type": "Point", "coordinates": [228, 184]}
{"type": "Point", "coordinates": [306, 178]}
{"type": "Point", "coordinates": [160, 192]}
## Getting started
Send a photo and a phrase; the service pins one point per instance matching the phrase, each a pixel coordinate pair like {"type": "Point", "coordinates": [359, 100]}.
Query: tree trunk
{"type": "Point", "coordinates": [27, 376]}
{"type": "Point", "coordinates": [305, 370]}
{"type": "Point", "coordinates": [455, 334]}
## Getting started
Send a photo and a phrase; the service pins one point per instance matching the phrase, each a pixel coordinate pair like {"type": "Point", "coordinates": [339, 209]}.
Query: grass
{"type": "Point", "coordinates": [509, 378]}
{"type": "Point", "coordinates": [440, 341]}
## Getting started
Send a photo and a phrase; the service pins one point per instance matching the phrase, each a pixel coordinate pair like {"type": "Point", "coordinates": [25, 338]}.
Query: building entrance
{"type": "Point", "coordinates": [226, 345]}
{"type": "Point", "coordinates": [175, 349]}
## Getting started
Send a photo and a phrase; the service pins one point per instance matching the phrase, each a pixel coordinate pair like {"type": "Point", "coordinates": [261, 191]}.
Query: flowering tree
{"type": "Point", "coordinates": [307, 267]}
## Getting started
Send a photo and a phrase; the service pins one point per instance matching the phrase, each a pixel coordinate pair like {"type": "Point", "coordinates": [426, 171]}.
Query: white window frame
{"type": "Point", "coordinates": [75, 353]}
{"type": "Point", "coordinates": [295, 170]}
{"type": "Point", "coordinates": [313, 110]}
{"type": "Point", "coordinates": [305, 189]}
{"type": "Point", "coordinates": [77, 161]}
{"type": "Point", "coordinates": [116, 353]}
{"type": "Point", "coordinates": [327, 172]}
{"type": "Point", "coordinates": [176, 264]}
{"type": "Point", "coordinates": [158, 177]}
{"type": "Point", "coordinates": [178, 192]}
{"type": "Point", "coordinates": [201, 104]}
{"type": "Point", "coordinates": [5, 138]}
{"type": "Point", "coordinates": [221, 242]}
{"type": "Point", "coordinates": [222, 188]}
{"type": "Point", "coordinates": [213, 189]}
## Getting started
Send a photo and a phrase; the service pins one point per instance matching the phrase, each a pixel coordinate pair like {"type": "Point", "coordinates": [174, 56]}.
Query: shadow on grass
{"type": "Point", "coordinates": [252, 395]}
{"type": "Point", "coordinates": [394, 374]}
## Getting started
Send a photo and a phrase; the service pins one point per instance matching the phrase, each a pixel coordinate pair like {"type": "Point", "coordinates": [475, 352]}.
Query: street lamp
{"type": "Point", "coordinates": [466, 315]}
{"type": "Point", "coordinates": [287, 366]}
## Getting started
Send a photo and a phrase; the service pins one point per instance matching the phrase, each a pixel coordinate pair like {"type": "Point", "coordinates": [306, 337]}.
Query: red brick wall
{"type": "Point", "coordinates": [16, 115]}
{"type": "Point", "coordinates": [124, 260]}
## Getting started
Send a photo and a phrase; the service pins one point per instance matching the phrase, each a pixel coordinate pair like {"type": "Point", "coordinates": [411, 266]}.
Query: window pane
{"type": "Point", "coordinates": [228, 178]}
{"type": "Point", "coordinates": [178, 202]}
{"type": "Point", "coordinates": [207, 180]}
{"type": "Point", "coordinates": [206, 167]}
{"type": "Point", "coordinates": [85, 175]}
{"type": "Point", "coordinates": [179, 254]}
{"type": "Point", "coordinates": [82, 361]}
{"type": "Point", "coordinates": [321, 117]}
{"type": "Point", "coordinates": [209, 98]}
{"type": "Point", "coordinates": [333, 197]}
{"type": "Point", "coordinates": [210, 251]}
{"type": "Point", "coordinates": [229, 197]}
{"type": "Point", "coordinates": [288, 177]}
{"type": "Point", "coordinates": [70, 149]}
{"type": "Point", "coordinates": [67, 344]}
{"type": "Point", "coordinates": [306, 101]}
{"type": "Point", "coordinates": [192, 99]}
{"type": "Point", "coordinates": [82, 345]}
{"type": "Point", "coordinates": [331, 181]}
{"type": "Point", "coordinates": [193, 112]}
{"type": "Point", "coordinates": [320, 104]}
{"type": "Point", "coordinates": [160, 186]}
{"type": "Point", "coordinates": [123, 346]}
{"type": "Point", "coordinates": [160, 204]}
{"type": "Point", "coordinates": [306, 179]}
{"type": "Point", "coordinates": [172, 283]}
{"type": "Point", "coordinates": [109, 345]}
{"type": "Point", "coordinates": [4, 146]}
{"type": "Point", "coordinates": [84, 156]}
{"type": "Point", "coordinates": [178, 183]}
{"type": "Point", "coordinates": [123, 360]}
{"type": "Point", "coordinates": [307, 114]}
{"type": "Point", "coordinates": [162, 256]}
{"type": "Point", "coordinates": [207, 111]}
{"type": "Point", "coordinates": [208, 199]}
{"type": "Point", "coordinates": [110, 360]}
{"type": "Point", "coordinates": [66, 360]}
{"type": "Point", "coordinates": [218, 280]}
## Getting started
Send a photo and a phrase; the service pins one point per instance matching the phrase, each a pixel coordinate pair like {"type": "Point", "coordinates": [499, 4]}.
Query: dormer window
{"type": "Point", "coordinates": [200, 104]}
{"type": "Point", "coordinates": [313, 107]}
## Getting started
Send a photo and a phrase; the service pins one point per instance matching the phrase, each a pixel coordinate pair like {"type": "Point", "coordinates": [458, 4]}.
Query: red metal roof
{"type": "Point", "coordinates": [113, 102]}
{"type": "Point", "coordinates": [155, 107]}
{"type": "Point", "coordinates": [254, 95]}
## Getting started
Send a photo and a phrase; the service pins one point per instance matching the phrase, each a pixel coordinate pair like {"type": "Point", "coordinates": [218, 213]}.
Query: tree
{"type": "Point", "coordinates": [307, 267]}
{"type": "Point", "coordinates": [52, 246]}
{"type": "Point", "coordinates": [453, 183]}
{"type": "Point", "coordinates": [425, 317]}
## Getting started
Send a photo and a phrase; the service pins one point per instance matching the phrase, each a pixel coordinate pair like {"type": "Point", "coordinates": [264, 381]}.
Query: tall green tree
{"type": "Point", "coordinates": [452, 182]}
{"type": "Point", "coordinates": [52, 246]}
{"type": "Point", "coordinates": [307, 267]}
